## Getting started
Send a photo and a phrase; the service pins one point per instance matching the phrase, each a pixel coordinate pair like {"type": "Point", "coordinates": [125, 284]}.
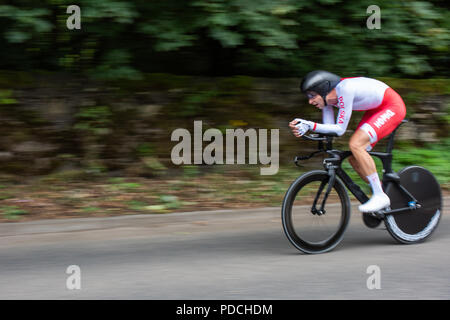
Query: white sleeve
{"type": "Point", "coordinates": [345, 104]}
{"type": "Point", "coordinates": [328, 115]}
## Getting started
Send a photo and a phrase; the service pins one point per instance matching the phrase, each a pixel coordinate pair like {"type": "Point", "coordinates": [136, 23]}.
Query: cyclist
{"type": "Point", "coordinates": [384, 111]}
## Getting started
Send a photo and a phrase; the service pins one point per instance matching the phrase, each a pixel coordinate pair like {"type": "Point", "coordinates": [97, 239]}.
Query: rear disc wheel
{"type": "Point", "coordinates": [415, 225]}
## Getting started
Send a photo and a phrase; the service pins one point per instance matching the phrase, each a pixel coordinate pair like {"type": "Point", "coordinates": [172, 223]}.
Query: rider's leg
{"type": "Point", "coordinates": [358, 144]}
{"type": "Point", "coordinates": [374, 126]}
{"type": "Point", "coordinates": [365, 165]}
{"type": "Point", "coordinates": [356, 167]}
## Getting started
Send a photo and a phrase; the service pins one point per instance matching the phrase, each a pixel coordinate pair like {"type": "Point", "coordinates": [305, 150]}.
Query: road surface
{"type": "Point", "coordinates": [214, 255]}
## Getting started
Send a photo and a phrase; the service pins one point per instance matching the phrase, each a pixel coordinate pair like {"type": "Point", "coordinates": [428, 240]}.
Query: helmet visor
{"type": "Point", "coordinates": [311, 94]}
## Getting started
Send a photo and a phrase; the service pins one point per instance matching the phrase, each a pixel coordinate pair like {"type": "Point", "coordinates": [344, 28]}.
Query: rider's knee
{"type": "Point", "coordinates": [355, 145]}
{"type": "Point", "coordinates": [358, 142]}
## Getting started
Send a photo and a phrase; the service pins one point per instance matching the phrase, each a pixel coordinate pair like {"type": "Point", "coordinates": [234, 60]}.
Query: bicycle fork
{"type": "Point", "coordinates": [330, 181]}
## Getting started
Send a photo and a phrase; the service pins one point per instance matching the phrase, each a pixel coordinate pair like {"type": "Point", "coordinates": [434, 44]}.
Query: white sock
{"type": "Point", "coordinates": [375, 183]}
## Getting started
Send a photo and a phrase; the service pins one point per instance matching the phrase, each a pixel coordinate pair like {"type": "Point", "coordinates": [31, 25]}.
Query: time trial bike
{"type": "Point", "coordinates": [316, 207]}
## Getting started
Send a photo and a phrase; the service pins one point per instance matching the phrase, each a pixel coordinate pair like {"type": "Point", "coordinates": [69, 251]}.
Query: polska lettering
{"type": "Point", "coordinates": [383, 118]}
{"type": "Point", "coordinates": [341, 116]}
{"type": "Point", "coordinates": [342, 112]}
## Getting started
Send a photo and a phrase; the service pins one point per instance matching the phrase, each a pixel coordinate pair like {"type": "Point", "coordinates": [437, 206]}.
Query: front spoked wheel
{"type": "Point", "coordinates": [415, 225]}
{"type": "Point", "coordinates": [311, 224]}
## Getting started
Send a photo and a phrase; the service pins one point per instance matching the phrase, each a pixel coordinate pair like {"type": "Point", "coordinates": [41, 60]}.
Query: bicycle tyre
{"type": "Point", "coordinates": [342, 213]}
{"type": "Point", "coordinates": [416, 225]}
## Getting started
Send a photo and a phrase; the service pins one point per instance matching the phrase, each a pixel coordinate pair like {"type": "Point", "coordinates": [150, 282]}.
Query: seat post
{"type": "Point", "coordinates": [390, 145]}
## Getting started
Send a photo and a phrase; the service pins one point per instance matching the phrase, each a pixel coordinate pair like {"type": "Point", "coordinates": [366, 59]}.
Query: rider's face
{"type": "Point", "coordinates": [315, 99]}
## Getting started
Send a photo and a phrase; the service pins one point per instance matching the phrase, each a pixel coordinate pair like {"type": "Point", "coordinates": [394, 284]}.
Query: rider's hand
{"type": "Point", "coordinates": [299, 126]}
{"type": "Point", "coordinates": [302, 128]}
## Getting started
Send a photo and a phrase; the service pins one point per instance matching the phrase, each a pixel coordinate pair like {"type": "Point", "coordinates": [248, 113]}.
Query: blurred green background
{"type": "Point", "coordinates": [86, 115]}
{"type": "Point", "coordinates": [281, 38]}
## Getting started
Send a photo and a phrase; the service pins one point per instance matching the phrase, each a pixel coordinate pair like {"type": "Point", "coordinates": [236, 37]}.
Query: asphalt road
{"type": "Point", "coordinates": [213, 255]}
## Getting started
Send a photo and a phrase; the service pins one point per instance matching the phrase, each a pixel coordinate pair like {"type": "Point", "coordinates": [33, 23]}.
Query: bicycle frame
{"type": "Point", "coordinates": [333, 166]}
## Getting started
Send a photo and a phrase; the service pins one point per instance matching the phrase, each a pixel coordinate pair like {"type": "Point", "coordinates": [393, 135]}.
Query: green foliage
{"type": "Point", "coordinates": [145, 149]}
{"type": "Point", "coordinates": [190, 171]}
{"type": "Point", "coordinates": [167, 203]}
{"type": "Point", "coordinates": [94, 119]}
{"type": "Point", "coordinates": [6, 97]}
{"type": "Point", "coordinates": [6, 195]}
{"type": "Point", "coordinates": [12, 212]}
{"type": "Point", "coordinates": [115, 65]}
{"type": "Point", "coordinates": [91, 209]}
{"type": "Point", "coordinates": [154, 164]}
{"type": "Point", "coordinates": [125, 186]}
{"type": "Point", "coordinates": [122, 40]}
{"type": "Point", "coordinates": [28, 22]}
{"type": "Point", "coordinates": [433, 157]}
{"type": "Point", "coordinates": [194, 102]}
{"type": "Point", "coordinates": [170, 201]}
{"type": "Point", "coordinates": [136, 205]}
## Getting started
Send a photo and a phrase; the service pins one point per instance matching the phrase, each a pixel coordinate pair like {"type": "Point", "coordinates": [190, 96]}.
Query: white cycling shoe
{"type": "Point", "coordinates": [376, 203]}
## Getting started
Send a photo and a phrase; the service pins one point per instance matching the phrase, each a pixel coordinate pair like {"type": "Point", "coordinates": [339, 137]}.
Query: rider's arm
{"type": "Point", "coordinates": [328, 115]}
{"type": "Point", "coordinates": [345, 105]}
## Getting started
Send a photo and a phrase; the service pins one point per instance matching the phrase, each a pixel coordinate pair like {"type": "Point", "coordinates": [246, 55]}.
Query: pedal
{"type": "Point", "coordinates": [370, 220]}
{"type": "Point", "coordinates": [381, 214]}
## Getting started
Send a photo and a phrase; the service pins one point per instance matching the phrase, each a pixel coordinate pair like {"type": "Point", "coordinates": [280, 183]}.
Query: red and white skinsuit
{"type": "Point", "coordinates": [384, 108]}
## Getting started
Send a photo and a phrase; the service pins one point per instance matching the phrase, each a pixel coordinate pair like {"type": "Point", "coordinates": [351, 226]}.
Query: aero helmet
{"type": "Point", "coordinates": [320, 81]}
